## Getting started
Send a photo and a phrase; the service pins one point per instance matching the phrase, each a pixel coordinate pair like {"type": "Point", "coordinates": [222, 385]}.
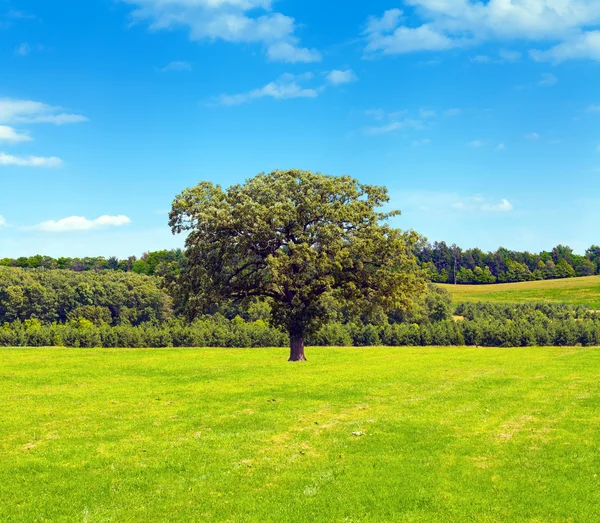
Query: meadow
{"type": "Point", "coordinates": [354, 435]}
{"type": "Point", "coordinates": [578, 291]}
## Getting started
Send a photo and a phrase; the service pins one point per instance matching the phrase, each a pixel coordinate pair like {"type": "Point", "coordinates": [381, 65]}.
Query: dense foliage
{"type": "Point", "coordinates": [450, 264]}
{"type": "Point", "coordinates": [443, 263]}
{"type": "Point", "coordinates": [428, 324]}
{"type": "Point", "coordinates": [151, 263]}
{"type": "Point", "coordinates": [59, 296]}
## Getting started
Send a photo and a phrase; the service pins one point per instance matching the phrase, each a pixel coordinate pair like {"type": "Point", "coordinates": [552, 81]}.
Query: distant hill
{"type": "Point", "coordinates": [579, 291]}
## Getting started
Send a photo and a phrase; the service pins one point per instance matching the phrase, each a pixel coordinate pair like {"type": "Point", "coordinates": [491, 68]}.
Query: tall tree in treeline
{"type": "Point", "coordinates": [300, 240]}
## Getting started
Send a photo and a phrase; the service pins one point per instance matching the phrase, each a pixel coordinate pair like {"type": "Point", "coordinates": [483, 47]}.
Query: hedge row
{"type": "Point", "coordinates": [237, 333]}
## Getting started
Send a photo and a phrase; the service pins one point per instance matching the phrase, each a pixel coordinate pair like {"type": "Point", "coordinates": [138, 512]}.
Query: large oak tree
{"type": "Point", "coordinates": [299, 240]}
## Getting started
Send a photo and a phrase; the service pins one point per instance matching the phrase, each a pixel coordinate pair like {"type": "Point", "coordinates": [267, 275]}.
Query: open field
{"type": "Point", "coordinates": [579, 291]}
{"type": "Point", "coordinates": [353, 435]}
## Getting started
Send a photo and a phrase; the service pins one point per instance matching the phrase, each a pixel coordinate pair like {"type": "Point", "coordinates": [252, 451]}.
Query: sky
{"type": "Point", "coordinates": [481, 118]}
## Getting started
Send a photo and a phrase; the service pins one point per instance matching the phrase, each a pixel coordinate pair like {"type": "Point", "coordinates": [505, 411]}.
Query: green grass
{"type": "Point", "coordinates": [579, 291]}
{"type": "Point", "coordinates": [354, 435]}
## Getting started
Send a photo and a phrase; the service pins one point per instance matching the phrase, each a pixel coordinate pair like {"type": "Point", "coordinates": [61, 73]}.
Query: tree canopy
{"type": "Point", "coordinates": [299, 240]}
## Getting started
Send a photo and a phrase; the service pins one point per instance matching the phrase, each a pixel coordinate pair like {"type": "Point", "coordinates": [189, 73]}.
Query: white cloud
{"type": "Point", "coordinates": [23, 50]}
{"type": "Point", "coordinates": [452, 112]}
{"type": "Point", "coordinates": [288, 52]}
{"type": "Point", "coordinates": [27, 111]}
{"type": "Point", "coordinates": [376, 114]}
{"type": "Point", "coordinates": [500, 147]}
{"type": "Point", "coordinates": [424, 141]}
{"type": "Point", "coordinates": [532, 137]}
{"type": "Point", "coordinates": [548, 80]}
{"type": "Point", "coordinates": [3, 222]}
{"type": "Point", "coordinates": [447, 24]}
{"type": "Point", "coordinates": [336, 77]}
{"type": "Point", "coordinates": [580, 47]}
{"type": "Point", "coordinates": [384, 129]}
{"type": "Point", "coordinates": [9, 135]}
{"type": "Point", "coordinates": [504, 206]}
{"type": "Point", "coordinates": [30, 161]}
{"type": "Point", "coordinates": [239, 21]}
{"type": "Point", "coordinates": [510, 56]}
{"type": "Point", "coordinates": [443, 203]}
{"type": "Point", "coordinates": [593, 109]}
{"type": "Point", "coordinates": [406, 39]}
{"type": "Point", "coordinates": [476, 144]}
{"type": "Point", "coordinates": [388, 22]}
{"type": "Point", "coordinates": [285, 87]}
{"type": "Point", "coordinates": [481, 59]}
{"type": "Point", "coordinates": [427, 113]}
{"type": "Point", "coordinates": [79, 223]}
{"type": "Point", "coordinates": [394, 126]}
{"type": "Point", "coordinates": [176, 66]}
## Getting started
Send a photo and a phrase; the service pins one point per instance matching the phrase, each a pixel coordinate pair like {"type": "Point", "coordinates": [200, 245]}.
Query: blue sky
{"type": "Point", "coordinates": [482, 118]}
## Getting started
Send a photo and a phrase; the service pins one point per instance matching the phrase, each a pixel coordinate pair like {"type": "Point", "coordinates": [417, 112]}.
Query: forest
{"type": "Point", "coordinates": [40, 307]}
{"type": "Point", "coordinates": [443, 263]}
{"type": "Point", "coordinates": [451, 264]}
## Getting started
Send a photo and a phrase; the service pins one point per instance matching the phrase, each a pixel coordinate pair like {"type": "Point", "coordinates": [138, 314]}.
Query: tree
{"type": "Point", "coordinates": [563, 269]}
{"type": "Point", "coordinates": [298, 240]}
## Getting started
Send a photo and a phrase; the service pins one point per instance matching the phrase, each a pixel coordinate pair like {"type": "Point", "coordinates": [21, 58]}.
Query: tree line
{"type": "Point", "coordinates": [451, 264]}
{"type": "Point", "coordinates": [150, 263]}
{"type": "Point", "coordinates": [58, 296]}
{"type": "Point", "coordinates": [443, 263]}
{"type": "Point", "coordinates": [480, 324]}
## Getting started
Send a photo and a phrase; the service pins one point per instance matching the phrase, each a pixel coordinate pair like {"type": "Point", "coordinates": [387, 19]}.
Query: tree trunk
{"type": "Point", "coordinates": [297, 347]}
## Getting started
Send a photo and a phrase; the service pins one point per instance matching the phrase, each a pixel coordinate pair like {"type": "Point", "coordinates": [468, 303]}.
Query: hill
{"type": "Point", "coordinates": [367, 435]}
{"type": "Point", "coordinates": [578, 291]}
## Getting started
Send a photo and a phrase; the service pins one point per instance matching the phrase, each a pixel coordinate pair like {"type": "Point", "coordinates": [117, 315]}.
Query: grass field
{"type": "Point", "coordinates": [579, 291]}
{"type": "Point", "coordinates": [354, 435]}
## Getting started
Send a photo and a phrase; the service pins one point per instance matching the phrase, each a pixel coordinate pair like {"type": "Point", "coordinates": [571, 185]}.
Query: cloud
{"type": "Point", "coordinates": [3, 222]}
{"type": "Point", "coordinates": [447, 24]}
{"type": "Point", "coordinates": [424, 141]}
{"type": "Point", "coordinates": [23, 50]}
{"type": "Point", "coordinates": [444, 203]}
{"type": "Point", "coordinates": [510, 56]}
{"type": "Point", "coordinates": [504, 206]}
{"type": "Point", "coordinates": [393, 126]}
{"type": "Point", "coordinates": [285, 87]}
{"type": "Point", "coordinates": [401, 40]}
{"type": "Point", "coordinates": [388, 22]}
{"type": "Point", "coordinates": [427, 113]}
{"type": "Point", "coordinates": [79, 223]}
{"type": "Point", "coordinates": [548, 80]}
{"type": "Point", "coordinates": [27, 111]}
{"type": "Point", "coordinates": [20, 15]}
{"type": "Point", "coordinates": [532, 137]}
{"type": "Point", "coordinates": [593, 109]}
{"type": "Point", "coordinates": [481, 59]}
{"type": "Point", "coordinates": [376, 114]}
{"type": "Point", "coordinates": [580, 47]}
{"type": "Point", "coordinates": [336, 77]}
{"type": "Point", "coordinates": [476, 144]}
{"type": "Point", "coordinates": [9, 135]}
{"type": "Point", "coordinates": [237, 21]}
{"type": "Point", "coordinates": [452, 112]}
{"type": "Point", "coordinates": [288, 86]}
{"type": "Point", "coordinates": [30, 161]}
{"type": "Point", "coordinates": [287, 52]}
{"type": "Point", "coordinates": [176, 66]}
{"type": "Point", "coordinates": [500, 147]}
